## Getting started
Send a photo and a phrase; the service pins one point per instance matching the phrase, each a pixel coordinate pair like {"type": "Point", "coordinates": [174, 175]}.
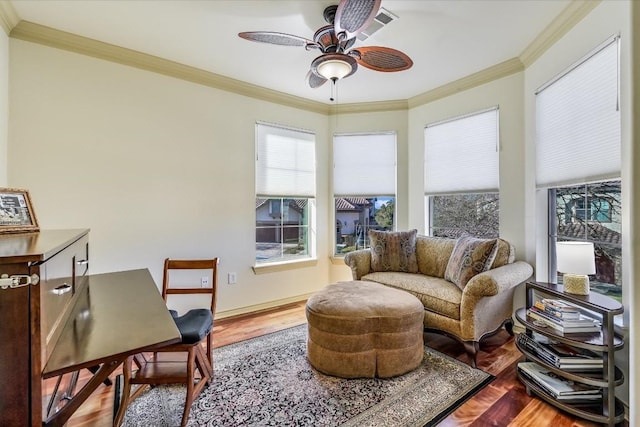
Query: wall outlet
{"type": "Point", "coordinates": [204, 281]}
{"type": "Point", "coordinates": [231, 278]}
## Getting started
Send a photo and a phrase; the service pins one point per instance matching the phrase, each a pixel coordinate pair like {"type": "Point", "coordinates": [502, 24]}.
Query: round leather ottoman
{"type": "Point", "coordinates": [364, 329]}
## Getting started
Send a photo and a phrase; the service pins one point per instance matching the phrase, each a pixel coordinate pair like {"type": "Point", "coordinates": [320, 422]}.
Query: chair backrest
{"type": "Point", "coordinates": [210, 266]}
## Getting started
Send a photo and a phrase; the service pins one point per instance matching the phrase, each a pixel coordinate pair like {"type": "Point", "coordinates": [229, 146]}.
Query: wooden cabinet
{"type": "Point", "coordinates": [607, 410]}
{"type": "Point", "coordinates": [33, 315]}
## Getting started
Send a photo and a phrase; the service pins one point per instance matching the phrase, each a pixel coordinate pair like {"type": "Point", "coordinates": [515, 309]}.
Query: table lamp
{"type": "Point", "coordinates": [575, 260]}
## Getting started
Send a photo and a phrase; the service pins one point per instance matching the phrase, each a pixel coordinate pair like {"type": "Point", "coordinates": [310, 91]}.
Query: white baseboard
{"type": "Point", "coordinates": [263, 306]}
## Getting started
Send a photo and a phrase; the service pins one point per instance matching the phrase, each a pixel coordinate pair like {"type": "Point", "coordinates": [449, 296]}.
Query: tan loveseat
{"type": "Point", "coordinates": [476, 309]}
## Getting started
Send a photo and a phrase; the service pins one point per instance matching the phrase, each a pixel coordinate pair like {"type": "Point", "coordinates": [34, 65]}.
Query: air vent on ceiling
{"type": "Point", "coordinates": [383, 18]}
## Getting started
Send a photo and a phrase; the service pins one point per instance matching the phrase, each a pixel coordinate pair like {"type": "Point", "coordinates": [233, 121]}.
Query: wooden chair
{"type": "Point", "coordinates": [185, 362]}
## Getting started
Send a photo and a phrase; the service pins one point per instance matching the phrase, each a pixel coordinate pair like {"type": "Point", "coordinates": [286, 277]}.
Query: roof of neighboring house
{"type": "Point", "coordinates": [597, 232]}
{"type": "Point", "coordinates": [351, 203]}
{"type": "Point", "coordinates": [297, 204]}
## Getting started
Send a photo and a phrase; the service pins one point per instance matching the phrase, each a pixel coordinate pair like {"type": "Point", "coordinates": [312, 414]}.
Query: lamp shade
{"type": "Point", "coordinates": [575, 258]}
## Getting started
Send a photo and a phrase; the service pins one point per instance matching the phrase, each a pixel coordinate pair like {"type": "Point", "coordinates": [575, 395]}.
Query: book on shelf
{"type": "Point", "coordinates": [557, 386]}
{"type": "Point", "coordinates": [558, 308]}
{"type": "Point", "coordinates": [560, 305]}
{"type": "Point", "coordinates": [562, 355]}
{"type": "Point", "coordinates": [580, 320]}
{"type": "Point", "coordinates": [580, 399]}
{"type": "Point", "coordinates": [584, 325]}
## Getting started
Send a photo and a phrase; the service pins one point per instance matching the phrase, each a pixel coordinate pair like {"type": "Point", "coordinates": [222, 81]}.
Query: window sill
{"type": "Point", "coordinates": [283, 266]}
{"type": "Point", "coordinates": [335, 260]}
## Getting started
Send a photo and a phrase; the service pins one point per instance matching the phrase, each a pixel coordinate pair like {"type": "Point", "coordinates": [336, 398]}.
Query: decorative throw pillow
{"type": "Point", "coordinates": [506, 254]}
{"type": "Point", "coordinates": [393, 251]}
{"type": "Point", "coordinates": [470, 256]}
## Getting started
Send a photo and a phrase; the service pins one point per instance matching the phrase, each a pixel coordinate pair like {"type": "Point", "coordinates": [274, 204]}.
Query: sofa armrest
{"type": "Point", "coordinates": [497, 280]}
{"type": "Point", "coordinates": [359, 261]}
{"type": "Point", "coordinates": [487, 300]}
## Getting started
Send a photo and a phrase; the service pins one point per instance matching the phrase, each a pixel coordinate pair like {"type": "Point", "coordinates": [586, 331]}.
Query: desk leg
{"type": "Point", "coordinates": [125, 393]}
{"type": "Point", "coordinates": [62, 416]}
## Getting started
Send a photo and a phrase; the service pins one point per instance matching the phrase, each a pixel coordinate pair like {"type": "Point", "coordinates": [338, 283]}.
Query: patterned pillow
{"type": "Point", "coordinates": [470, 256]}
{"type": "Point", "coordinates": [506, 254]}
{"type": "Point", "coordinates": [393, 251]}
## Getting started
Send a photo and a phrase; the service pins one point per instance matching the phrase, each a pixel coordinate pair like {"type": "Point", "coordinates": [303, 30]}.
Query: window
{"type": "Point", "coordinates": [578, 161]}
{"type": "Point", "coordinates": [285, 193]}
{"type": "Point", "coordinates": [599, 223]}
{"type": "Point", "coordinates": [364, 185]}
{"type": "Point", "coordinates": [461, 176]}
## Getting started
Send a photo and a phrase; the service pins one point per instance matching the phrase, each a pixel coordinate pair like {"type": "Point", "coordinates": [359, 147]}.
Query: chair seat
{"type": "Point", "coordinates": [194, 325]}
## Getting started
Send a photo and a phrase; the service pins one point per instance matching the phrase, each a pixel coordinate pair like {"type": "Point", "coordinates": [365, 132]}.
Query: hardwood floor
{"type": "Point", "coordinates": [503, 402]}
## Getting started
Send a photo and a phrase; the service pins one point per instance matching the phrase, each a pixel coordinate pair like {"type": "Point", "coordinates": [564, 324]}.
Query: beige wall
{"type": "Point", "coordinates": [633, 237]}
{"type": "Point", "coordinates": [4, 105]}
{"type": "Point", "coordinates": [155, 166]}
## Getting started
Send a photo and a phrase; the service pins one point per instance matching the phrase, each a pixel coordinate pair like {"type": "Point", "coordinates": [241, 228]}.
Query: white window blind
{"type": "Point", "coordinates": [461, 154]}
{"type": "Point", "coordinates": [285, 162]}
{"type": "Point", "coordinates": [364, 165]}
{"type": "Point", "coordinates": [578, 122]}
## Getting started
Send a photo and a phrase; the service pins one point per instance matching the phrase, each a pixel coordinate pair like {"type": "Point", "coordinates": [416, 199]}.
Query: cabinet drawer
{"type": "Point", "coordinates": [61, 276]}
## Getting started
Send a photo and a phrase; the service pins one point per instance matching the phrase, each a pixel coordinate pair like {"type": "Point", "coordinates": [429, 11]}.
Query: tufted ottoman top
{"type": "Point", "coordinates": [363, 299]}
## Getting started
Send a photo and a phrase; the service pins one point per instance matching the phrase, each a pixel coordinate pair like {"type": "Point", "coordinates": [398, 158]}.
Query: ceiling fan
{"type": "Point", "coordinates": [338, 60]}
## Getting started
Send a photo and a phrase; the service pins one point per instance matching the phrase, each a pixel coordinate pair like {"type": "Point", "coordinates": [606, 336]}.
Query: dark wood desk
{"type": "Point", "coordinates": [66, 320]}
{"type": "Point", "coordinates": [115, 315]}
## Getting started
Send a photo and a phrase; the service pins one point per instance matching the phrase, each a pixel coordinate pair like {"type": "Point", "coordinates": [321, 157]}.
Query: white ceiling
{"type": "Point", "coordinates": [447, 39]}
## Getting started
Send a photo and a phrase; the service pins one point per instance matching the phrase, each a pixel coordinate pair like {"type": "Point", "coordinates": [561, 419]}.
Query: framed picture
{"type": "Point", "coordinates": [16, 211]}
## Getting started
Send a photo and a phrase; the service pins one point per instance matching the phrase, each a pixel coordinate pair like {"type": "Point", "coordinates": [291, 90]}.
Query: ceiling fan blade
{"type": "Point", "coordinates": [271, 37]}
{"type": "Point", "coordinates": [381, 58]}
{"type": "Point", "coordinates": [315, 80]}
{"type": "Point", "coordinates": [353, 16]}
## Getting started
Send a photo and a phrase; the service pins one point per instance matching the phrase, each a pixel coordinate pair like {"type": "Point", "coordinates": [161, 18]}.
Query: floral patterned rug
{"type": "Point", "coordinates": [267, 381]}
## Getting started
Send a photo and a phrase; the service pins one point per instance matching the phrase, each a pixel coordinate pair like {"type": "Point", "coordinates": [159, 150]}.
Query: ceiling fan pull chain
{"type": "Point", "coordinates": [333, 88]}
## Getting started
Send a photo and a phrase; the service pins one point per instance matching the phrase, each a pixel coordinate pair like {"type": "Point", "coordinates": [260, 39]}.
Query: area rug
{"type": "Point", "coordinates": [267, 381]}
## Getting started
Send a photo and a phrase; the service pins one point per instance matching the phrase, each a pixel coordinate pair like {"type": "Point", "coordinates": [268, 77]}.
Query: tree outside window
{"type": "Point", "coordinates": [459, 214]}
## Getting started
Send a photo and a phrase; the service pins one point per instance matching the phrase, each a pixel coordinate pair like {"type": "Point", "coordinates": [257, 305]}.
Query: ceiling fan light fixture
{"type": "Point", "coordinates": [334, 66]}
{"type": "Point", "coordinates": [334, 69]}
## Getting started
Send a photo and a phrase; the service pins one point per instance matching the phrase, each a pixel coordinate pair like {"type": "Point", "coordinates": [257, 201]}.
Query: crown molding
{"type": "Point", "coordinates": [28, 31]}
{"type": "Point", "coordinates": [370, 107]}
{"type": "Point", "coordinates": [495, 72]}
{"type": "Point", "coordinates": [568, 18]}
{"type": "Point", "coordinates": [8, 16]}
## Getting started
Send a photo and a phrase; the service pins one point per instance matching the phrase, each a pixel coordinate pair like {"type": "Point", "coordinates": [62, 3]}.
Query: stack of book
{"type": "Point", "coordinates": [560, 388]}
{"type": "Point", "coordinates": [561, 355]}
{"type": "Point", "coordinates": [562, 316]}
